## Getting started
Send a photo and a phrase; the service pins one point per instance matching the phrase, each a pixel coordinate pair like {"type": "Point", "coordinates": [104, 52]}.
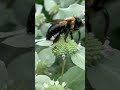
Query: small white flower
{"type": "Point", "coordinates": [63, 57]}
{"type": "Point", "coordinates": [63, 84]}
{"type": "Point", "coordinates": [73, 40]}
{"type": "Point", "coordinates": [50, 74]}
{"type": "Point", "coordinates": [45, 85]}
{"type": "Point", "coordinates": [57, 83]}
{"type": "Point", "coordinates": [78, 48]}
{"type": "Point", "coordinates": [52, 82]}
{"type": "Point", "coordinates": [79, 45]}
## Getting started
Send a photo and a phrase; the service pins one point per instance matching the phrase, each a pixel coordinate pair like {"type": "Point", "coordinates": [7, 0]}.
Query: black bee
{"type": "Point", "coordinates": [65, 26]}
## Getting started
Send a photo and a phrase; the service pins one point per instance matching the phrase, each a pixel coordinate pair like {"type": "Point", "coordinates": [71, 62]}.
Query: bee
{"type": "Point", "coordinates": [65, 26]}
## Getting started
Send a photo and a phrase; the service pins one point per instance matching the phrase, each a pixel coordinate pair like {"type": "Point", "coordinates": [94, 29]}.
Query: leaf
{"type": "Point", "coordinates": [83, 3]}
{"type": "Point", "coordinates": [75, 78]}
{"type": "Point", "coordinates": [6, 16]}
{"type": "Point", "coordinates": [82, 30]}
{"type": "Point", "coordinates": [22, 67]}
{"type": "Point", "coordinates": [7, 34]}
{"type": "Point", "coordinates": [79, 58]}
{"type": "Point", "coordinates": [44, 28]}
{"type": "Point", "coordinates": [22, 40]}
{"type": "Point", "coordinates": [44, 42]}
{"type": "Point", "coordinates": [73, 10]}
{"type": "Point", "coordinates": [20, 13]}
{"type": "Point", "coordinates": [3, 76]}
{"type": "Point", "coordinates": [38, 9]}
{"type": "Point", "coordinates": [40, 80]}
{"type": "Point", "coordinates": [47, 57]}
{"type": "Point", "coordinates": [49, 4]}
{"type": "Point", "coordinates": [37, 60]}
{"type": "Point", "coordinates": [107, 72]}
{"type": "Point", "coordinates": [66, 3]}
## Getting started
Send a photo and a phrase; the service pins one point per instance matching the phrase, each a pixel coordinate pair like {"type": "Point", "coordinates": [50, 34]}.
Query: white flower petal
{"type": "Point", "coordinates": [63, 84]}
{"type": "Point", "coordinates": [45, 85]}
{"type": "Point", "coordinates": [57, 83]}
{"type": "Point", "coordinates": [79, 44]}
{"type": "Point", "coordinates": [52, 82]}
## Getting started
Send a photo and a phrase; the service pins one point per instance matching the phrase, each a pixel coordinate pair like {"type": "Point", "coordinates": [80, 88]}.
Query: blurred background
{"type": "Point", "coordinates": [16, 46]}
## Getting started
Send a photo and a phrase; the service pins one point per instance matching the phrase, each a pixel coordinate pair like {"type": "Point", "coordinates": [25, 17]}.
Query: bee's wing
{"type": "Point", "coordinates": [53, 30]}
{"type": "Point", "coordinates": [57, 21]}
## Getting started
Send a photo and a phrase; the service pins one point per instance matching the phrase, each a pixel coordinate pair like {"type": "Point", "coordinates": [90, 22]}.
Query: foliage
{"type": "Point", "coordinates": [58, 61]}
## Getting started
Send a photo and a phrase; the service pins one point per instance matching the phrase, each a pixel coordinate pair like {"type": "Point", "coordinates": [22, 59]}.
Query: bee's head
{"type": "Point", "coordinates": [78, 23]}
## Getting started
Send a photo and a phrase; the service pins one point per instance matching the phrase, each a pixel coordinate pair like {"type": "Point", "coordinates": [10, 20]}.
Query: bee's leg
{"type": "Point", "coordinates": [71, 35]}
{"type": "Point", "coordinates": [66, 34]}
{"type": "Point", "coordinates": [79, 35]}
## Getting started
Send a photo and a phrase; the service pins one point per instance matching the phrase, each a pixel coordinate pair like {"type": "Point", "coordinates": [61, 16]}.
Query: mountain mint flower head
{"type": "Point", "coordinates": [39, 19]}
{"type": "Point", "coordinates": [93, 48]}
{"type": "Point", "coordinates": [54, 85]}
{"type": "Point", "coordinates": [62, 47]}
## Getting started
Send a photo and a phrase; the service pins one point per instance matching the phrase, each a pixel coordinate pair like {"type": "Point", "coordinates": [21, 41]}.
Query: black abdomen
{"type": "Point", "coordinates": [53, 30]}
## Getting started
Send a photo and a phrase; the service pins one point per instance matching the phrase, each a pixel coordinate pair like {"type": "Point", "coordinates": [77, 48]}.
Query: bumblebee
{"type": "Point", "coordinates": [65, 26]}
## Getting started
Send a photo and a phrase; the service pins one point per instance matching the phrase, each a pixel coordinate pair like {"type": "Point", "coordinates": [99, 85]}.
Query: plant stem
{"type": "Point", "coordinates": [63, 68]}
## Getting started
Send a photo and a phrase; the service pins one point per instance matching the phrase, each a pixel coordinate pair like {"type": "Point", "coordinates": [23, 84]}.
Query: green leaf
{"type": "Point", "coordinates": [51, 6]}
{"type": "Point", "coordinates": [6, 16]}
{"type": "Point", "coordinates": [107, 72]}
{"type": "Point", "coordinates": [83, 3]}
{"type": "Point", "coordinates": [38, 8]}
{"type": "Point", "coordinates": [75, 78]}
{"type": "Point", "coordinates": [36, 32]}
{"type": "Point", "coordinates": [21, 67]}
{"type": "Point", "coordinates": [44, 28]}
{"type": "Point", "coordinates": [40, 80]}
{"type": "Point", "coordinates": [22, 40]}
{"type": "Point", "coordinates": [47, 57]}
{"type": "Point", "coordinates": [8, 34]}
{"type": "Point", "coordinates": [73, 10]}
{"type": "Point", "coordinates": [22, 14]}
{"type": "Point", "coordinates": [82, 30]}
{"type": "Point", "coordinates": [37, 60]}
{"type": "Point", "coordinates": [66, 3]}
{"type": "Point", "coordinates": [79, 58]}
{"type": "Point", "coordinates": [3, 76]}
{"type": "Point", "coordinates": [44, 42]}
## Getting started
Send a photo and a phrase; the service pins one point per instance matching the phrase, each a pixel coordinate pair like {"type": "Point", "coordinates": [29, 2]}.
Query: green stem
{"type": "Point", "coordinates": [63, 68]}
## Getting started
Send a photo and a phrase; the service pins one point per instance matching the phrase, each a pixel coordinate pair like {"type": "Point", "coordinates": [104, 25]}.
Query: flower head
{"type": "Point", "coordinates": [62, 47]}
{"type": "Point", "coordinates": [39, 19]}
{"type": "Point", "coordinates": [93, 48]}
{"type": "Point", "coordinates": [54, 85]}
